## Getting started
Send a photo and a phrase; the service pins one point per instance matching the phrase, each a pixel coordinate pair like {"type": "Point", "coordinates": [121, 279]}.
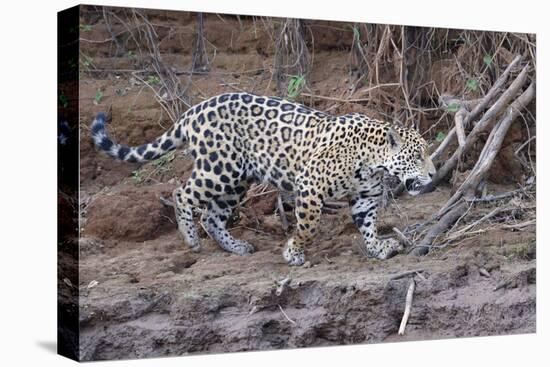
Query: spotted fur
{"type": "Point", "coordinates": [238, 138]}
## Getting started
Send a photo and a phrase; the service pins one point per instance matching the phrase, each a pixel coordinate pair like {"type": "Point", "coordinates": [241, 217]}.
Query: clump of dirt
{"type": "Point", "coordinates": [129, 213]}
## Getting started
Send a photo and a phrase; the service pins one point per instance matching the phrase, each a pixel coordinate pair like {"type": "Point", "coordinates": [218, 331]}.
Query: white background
{"type": "Point", "coordinates": [28, 181]}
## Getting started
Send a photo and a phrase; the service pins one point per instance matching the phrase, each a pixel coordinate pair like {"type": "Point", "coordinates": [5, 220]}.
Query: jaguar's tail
{"type": "Point", "coordinates": [170, 140]}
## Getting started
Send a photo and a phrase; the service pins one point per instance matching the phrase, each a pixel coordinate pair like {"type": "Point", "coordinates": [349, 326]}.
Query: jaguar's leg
{"type": "Point", "coordinates": [186, 198]}
{"type": "Point", "coordinates": [215, 218]}
{"type": "Point", "coordinates": [364, 205]}
{"type": "Point", "coordinates": [308, 216]}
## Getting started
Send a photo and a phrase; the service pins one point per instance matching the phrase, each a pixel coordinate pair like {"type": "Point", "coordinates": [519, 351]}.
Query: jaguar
{"type": "Point", "coordinates": [237, 139]}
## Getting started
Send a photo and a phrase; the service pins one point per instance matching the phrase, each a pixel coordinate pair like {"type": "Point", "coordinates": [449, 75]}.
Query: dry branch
{"type": "Point", "coordinates": [463, 119]}
{"type": "Point", "coordinates": [407, 273]}
{"type": "Point", "coordinates": [286, 316]}
{"type": "Point", "coordinates": [200, 57]}
{"type": "Point", "coordinates": [442, 224]}
{"type": "Point", "coordinates": [459, 125]}
{"type": "Point", "coordinates": [408, 305]}
{"type": "Point", "coordinates": [401, 236]}
{"type": "Point", "coordinates": [465, 229]}
{"type": "Point", "coordinates": [489, 116]}
{"type": "Point", "coordinates": [492, 146]}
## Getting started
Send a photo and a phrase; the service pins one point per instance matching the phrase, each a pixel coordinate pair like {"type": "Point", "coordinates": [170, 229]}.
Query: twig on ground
{"type": "Point", "coordinates": [524, 144]}
{"type": "Point", "coordinates": [407, 273]}
{"type": "Point", "coordinates": [401, 236]}
{"type": "Point", "coordinates": [420, 276]}
{"type": "Point", "coordinates": [493, 197]}
{"type": "Point", "coordinates": [464, 229]}
{"type": "Point", "coordinates": [520, 226]}
{"type": "Point", "coordinates": [253, 230]}
{"type": "Point", "coordinates": [166, 201]}
{"type": "Point", "coordinates": [408, 305]}
{"type": "Point", "coordinates": [503, 284]}
{"type": "Point", "coordinates": [281, 284]}
{"type": "Point", "coordinates": [286, 316]}
{"type": "Point", "coordinates": [484, 272]}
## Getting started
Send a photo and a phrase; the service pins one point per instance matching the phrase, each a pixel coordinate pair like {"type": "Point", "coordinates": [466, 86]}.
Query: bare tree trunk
{"type": "Point", "coordinates": [200, 57]}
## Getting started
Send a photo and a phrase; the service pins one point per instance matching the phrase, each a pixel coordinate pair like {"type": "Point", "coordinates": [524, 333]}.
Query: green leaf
{"type": "Point", "coordinates": [453, 107]}
{"type": "Point", "coordinates": [153, 80]}
{"type": "Point", "coordinates": [86, 27]}
{"type": "Point", "coordinates": [98, 96]}
{"type": "Point", "coordinates": [295, 84]}
{"type": "Point", "coordinates": [488, 60]}
{"type": "Point", "coordinates": [440, 136]}
{"type": "Point", "coordinates": [471, 84]}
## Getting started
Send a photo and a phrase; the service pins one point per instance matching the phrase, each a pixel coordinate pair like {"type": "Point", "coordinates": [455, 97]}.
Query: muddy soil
{"type": "Point", "coordinates": [143, 293]}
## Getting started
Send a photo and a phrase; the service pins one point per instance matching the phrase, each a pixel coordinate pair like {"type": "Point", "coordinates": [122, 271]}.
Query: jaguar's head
{"type": "Point", "coordinates": [408, 158]}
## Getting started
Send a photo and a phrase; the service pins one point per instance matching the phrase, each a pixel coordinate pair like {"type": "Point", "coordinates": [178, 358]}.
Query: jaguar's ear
{"type": "Point", "coordinates": [393, 139]}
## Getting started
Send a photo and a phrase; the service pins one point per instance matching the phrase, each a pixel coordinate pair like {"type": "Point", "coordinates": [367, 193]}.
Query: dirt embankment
{"type": "Point", "coordinates": [143, 293]}
{"type": "Point", "coordinates": [151, 296]}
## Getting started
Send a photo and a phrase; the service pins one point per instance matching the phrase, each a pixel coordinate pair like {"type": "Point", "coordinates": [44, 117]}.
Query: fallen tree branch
{"type": "Point", "coordinates": [480, 105]}
{"type": "Point", "coordinates": [442, 224]}
{"type": "Point", "coordinates": [464, 120]}
{"type": "Point", "coordinates": [492, 146]}
{"type": "Point", "coordinates": [459, 125]}
{"type": "Point", "coordinates": [408, 305]}
{"type": "Point", "coordinates": [489, 116]}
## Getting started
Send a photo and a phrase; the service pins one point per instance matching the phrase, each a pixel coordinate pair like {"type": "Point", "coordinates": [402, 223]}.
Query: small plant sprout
{"type": "Point", "coordinates": [153, 80]}
{"type": "Point", "coordinates": [453, 107]}
{"type": "Point", "coordinates": [85, 27]}
{"type": "Point", "coordinates": [295, 85]}
{"type": "Point", "coordinates": [487, 60]}
{"type": "Point", "coordinates": [471, 84]}
{"type": "Point", "coordinates": [98, 96]}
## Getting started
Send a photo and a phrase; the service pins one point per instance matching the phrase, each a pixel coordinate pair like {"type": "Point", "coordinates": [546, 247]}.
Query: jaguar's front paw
{"type": "Point", "coordinates": [388, 248]}
{"type": "Point", "coordinates": [292, 255]}
{"type": "Point", "coordinates": [242, 248]}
